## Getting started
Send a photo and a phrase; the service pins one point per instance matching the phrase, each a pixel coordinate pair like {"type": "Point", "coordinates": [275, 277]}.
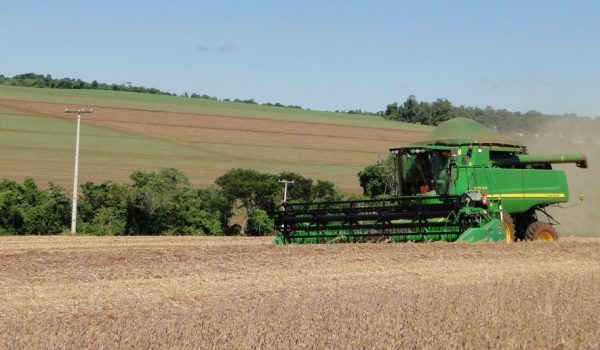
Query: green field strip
{"type": "Point", "coordinates": [29, 135]}
{"type": "Point", "coordinates": [121, 99]}
{"type": "Point", "coordinates": [42, 139]}
{"type": "Point", "coordinates": [12, 111]}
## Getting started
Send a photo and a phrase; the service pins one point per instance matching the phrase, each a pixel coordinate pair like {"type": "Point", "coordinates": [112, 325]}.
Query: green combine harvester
{"type": "Point", "coordinates": [460, 182]}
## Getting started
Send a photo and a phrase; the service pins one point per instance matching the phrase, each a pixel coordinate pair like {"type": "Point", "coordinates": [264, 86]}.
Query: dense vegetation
{"type": "Point", "coordinates": [160, 202]}
{"type": "Point", "coordinates": [47, 81]}
{"type": "Point", "coordinates": [441, 110]}
{"type": "Point", "coordinates": [24, 208]}
{"type": "Point", "coordinates": [378, 179]}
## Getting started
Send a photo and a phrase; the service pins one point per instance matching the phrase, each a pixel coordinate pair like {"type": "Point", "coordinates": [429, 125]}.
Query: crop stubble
{"type": "Point", "coordinates": [246, 293]}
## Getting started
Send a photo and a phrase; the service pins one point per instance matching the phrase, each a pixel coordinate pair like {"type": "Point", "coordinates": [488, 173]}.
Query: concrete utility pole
{"type": "Point", "coordinates": [285, 186]}
{"type": "Point", "coordinates": [76, 170]}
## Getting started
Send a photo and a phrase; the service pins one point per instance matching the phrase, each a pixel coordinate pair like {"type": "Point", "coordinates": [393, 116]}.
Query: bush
{"type": "Point", "coordinates": [377, 179]}
{"type": "Point", "coordinates": [24, 209]}
{"type": "Point", "coordinates": [160, 202]}
{"type": "Point", "coordinates": [106, 221]}
{"type": "Point", "coordinates": [102, 209]}
{"type": "Point", "coordinates": [260, 224]}
{"type": "Point", "coordinates": [164, 201]}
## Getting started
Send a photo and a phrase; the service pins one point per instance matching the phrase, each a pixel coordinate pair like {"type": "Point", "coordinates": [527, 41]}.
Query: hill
{"type": "Point", "coordinates": [203, 138]}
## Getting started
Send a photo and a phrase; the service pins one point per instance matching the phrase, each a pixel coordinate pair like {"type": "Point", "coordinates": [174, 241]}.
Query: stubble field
{"type": "Point", "coordinates": [185, 292]}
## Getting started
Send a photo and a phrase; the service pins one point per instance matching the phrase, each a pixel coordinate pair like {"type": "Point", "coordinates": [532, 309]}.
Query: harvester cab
{"type": "Point", "coordinates": [462, 181]}
{"type": "Point", "coordinates": [424, 170]}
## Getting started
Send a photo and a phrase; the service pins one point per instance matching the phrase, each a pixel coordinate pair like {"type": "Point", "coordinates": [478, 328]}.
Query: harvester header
{"type": "Point", "coordinates": [462, 181]}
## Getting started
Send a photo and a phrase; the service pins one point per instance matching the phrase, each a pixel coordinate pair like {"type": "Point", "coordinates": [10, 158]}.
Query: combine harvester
{"type": "Point", "coordinates": [460, 182]}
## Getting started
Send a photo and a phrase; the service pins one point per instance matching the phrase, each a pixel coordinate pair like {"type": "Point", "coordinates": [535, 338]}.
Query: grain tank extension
{"type": "Point", "coordinates": [462, 181]}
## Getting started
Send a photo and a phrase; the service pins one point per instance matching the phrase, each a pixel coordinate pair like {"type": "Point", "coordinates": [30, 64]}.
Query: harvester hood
{"type": "Point", "coordinates": [463, 131]}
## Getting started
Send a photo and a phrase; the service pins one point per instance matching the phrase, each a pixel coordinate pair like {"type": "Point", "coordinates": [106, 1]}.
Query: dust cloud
{"type": "Point", "coordinates": [573, 135]}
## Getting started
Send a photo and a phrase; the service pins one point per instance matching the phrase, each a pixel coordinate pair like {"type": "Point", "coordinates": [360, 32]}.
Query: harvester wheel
{"type": "Point", "coordinates": [541, 231]}
{"type": "Point", "coordinates": [509, 227]}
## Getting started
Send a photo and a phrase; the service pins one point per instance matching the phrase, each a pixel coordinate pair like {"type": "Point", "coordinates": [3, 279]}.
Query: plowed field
{"type": "Point", "coordinates": [175, 292]}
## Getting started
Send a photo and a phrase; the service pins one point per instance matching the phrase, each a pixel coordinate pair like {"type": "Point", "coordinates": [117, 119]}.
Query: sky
{"type": "Point", "coordinates": [327, 55]}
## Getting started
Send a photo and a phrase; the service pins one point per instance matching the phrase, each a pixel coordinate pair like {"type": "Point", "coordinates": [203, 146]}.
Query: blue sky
{"type": "Point", "coordinates": [519, 55]}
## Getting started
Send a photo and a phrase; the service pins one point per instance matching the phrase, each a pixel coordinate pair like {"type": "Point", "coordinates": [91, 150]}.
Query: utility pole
{"type": "Point", "coordinates": [79, 112]}
{"type": "Point", "coordinates": [285, 186]}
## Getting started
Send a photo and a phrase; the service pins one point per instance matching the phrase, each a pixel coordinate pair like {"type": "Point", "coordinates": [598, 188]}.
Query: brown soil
{"type": "Point", "coordinates": [176, 292]}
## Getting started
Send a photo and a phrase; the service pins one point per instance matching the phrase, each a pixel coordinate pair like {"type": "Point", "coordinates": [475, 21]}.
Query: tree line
{"type": "Point", "coordinates": [529, 123]}
{"type": "Point", "coordinates": [162, 202]}
{"type": "Point", "coordinates": [47, 81]}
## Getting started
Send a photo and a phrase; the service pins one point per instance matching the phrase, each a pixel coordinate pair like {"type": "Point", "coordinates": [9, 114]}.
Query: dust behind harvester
{"type": "Point", "coordinates": [462, 181]}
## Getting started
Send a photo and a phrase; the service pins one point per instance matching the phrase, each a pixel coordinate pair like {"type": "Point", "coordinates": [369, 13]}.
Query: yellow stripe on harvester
{"type": "Point", "coordinates": [528, 195]}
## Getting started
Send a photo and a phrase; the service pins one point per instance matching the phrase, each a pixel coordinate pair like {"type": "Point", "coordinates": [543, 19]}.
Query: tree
{"type": "Point", "coordinates": [413, 111]}
{"type": "Point", "coordinates": [377, 179]}
{"type": "Point", "coordinates": [164, 202]}
{"type": "Point", "coordinates": [215, 202]}
{"type": "Point", "coordinates": [102, 209]}
{"type": "Point", "coordinates": [106, 221]}
{"type": "Point", "coordinates": [11, 198]}
{"type": "Point", "coordinates": [255, 190]}
{"type": "Point", "coordinates": [260, 224]}
{"type": "Point", "coordinates": [301, 189]}
{"type": "Point", "coordinates": [324, 191]}
{"type": "Point", "coordinates": [25, 209]}
{"type": "Point", "coordinates": [439, 112]}
{"type": "Point", "coordinates": [306, 190]}
{"type": "Point", "coordinates": [192, 219]}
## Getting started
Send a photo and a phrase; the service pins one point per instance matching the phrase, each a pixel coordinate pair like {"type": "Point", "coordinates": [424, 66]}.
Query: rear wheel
{"type": "Point", "coordinates": [509, 227]}
{"type": "Point", "coordinates": [541, 231]}
{"type": "Point", "coordinates": [522, 222]}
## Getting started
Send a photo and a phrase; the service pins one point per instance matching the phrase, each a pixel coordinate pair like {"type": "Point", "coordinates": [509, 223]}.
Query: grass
{"type": "Point", "coordinates": [203, 138]}
{"type": "Point", "coordinates": [184, 292]}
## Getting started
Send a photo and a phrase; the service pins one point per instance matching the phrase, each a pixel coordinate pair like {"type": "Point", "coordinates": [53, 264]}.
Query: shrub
{"type": "Point", "coordinates": [260, 224]}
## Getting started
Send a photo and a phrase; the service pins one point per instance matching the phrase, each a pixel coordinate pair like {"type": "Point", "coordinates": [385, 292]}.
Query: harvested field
{"type": "Point", "coordinates": [172, 292]}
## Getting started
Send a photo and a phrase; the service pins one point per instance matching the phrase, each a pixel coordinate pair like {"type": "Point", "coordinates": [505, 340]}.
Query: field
{"type": "Point", "coordinates": [203, 138]}
{"type": "Point", "coordinates": [206, 138]}
{"type": "Point", "coordinates": [176, 292]}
